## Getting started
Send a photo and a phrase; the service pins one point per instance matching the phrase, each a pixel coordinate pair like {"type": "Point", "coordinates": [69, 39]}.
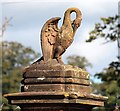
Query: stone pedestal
{"type": "Point", "coordinates": [55, 87]}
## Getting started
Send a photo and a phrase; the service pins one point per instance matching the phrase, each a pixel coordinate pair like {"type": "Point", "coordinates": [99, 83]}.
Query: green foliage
{"type": "Point", "coordinates": [110, 85]}
{"type": "Point", "coordinates": [79, 61]}
{"type": "Point", "coordinates": [107, 29]}
{"type": "Point", "coordinates": [14, 58]}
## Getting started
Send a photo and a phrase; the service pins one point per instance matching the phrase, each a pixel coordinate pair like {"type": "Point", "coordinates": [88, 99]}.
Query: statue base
{"type": "Point", "coordinates": [52, 101]}
{"type": "Point", "coordinates": [55, 87]}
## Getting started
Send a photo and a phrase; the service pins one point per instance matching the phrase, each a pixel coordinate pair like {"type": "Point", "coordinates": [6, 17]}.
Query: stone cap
{"type": "Point", "coordinates": [52, 97]}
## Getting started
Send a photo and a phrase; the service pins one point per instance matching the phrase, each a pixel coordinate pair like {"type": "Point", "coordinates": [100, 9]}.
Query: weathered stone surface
{"type": "Point", "coordinates": [57, 84]}
{"type": "Point", "coordinates": [49, 95]}
{"type": "Point", "coordinates": [55, 77]}
{"type": "Point", "coordinates": [56, 73]}
{"type": "Point", "coordinates": [52, 101]}
{"type": "Point", "coordinates": [59, 80]}
{"type": "Point", "coordinates": [56, 88]}
{"type": "Point", "coordinates": [58, 101]}
{"type": "Point", "coordinates": [53, 97]}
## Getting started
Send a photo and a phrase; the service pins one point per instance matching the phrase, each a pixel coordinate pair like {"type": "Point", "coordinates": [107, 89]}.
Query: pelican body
{"type": "Point", "coordinates": [55, 41]}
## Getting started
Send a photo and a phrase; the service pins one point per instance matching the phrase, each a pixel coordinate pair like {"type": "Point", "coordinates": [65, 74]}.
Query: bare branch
{"type": "Point", "coordinates": [5, 24]}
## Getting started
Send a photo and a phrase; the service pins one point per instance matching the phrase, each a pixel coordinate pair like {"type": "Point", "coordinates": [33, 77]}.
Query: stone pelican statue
{"type": "Point", "coordinates": [55, 41]}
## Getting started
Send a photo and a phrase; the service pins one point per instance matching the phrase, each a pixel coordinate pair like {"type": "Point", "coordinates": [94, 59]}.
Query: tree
{"type": "Point", "coordinates": [110, 85]}
{"type": "Point", "coordinates": [109, 29]}
{"type": "Point", "coordinates": [79, 61]}
{"type": "Point", "coordinates": [14, 58]}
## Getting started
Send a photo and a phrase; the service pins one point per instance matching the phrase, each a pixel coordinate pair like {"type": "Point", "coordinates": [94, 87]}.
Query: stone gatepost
{"type": "Point", "coordinates": [50, 85]}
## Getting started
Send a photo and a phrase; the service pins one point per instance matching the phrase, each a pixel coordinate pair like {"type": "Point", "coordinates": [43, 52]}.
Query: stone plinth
{"type": "Point", "coordinates": [62, 101]}
{"type": "Point", "coordinates": [55, 87]}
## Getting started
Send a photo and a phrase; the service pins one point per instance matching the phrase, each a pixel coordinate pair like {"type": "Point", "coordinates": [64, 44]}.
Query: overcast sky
{"type": "Point", "coordinates": [30, 16]}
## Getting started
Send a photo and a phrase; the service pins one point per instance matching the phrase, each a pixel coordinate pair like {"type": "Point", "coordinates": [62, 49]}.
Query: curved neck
{"type": "Point", "coordinates": [67, 17]}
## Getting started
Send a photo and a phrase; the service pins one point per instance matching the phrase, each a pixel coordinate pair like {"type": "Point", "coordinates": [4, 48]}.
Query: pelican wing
{"type": "Point", "coordinates": [49, 34]}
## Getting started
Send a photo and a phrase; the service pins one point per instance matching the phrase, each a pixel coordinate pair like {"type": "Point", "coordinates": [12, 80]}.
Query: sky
{"type": "Point", "coordinates": [28, 17]}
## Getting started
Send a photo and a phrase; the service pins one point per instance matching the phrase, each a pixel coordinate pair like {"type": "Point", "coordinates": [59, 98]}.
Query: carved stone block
{"type": "Point", "coordinates": [56, 88]}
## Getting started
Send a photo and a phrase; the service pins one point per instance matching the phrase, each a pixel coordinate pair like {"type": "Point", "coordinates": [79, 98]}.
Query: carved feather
{"type": "Point", "coordinates": [49, 34]}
